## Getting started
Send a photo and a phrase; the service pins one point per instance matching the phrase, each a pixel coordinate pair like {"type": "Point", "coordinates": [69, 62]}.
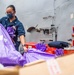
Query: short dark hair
{"type": "Point", "coordinates": [13, 7]}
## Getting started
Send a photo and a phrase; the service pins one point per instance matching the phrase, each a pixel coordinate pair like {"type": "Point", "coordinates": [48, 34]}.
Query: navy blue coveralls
{"type": "Point", "coordinates": [19, 29]}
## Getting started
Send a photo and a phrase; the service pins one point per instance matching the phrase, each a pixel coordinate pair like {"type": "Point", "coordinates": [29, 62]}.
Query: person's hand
{"type": "Point", "coordinates": [25, 49]}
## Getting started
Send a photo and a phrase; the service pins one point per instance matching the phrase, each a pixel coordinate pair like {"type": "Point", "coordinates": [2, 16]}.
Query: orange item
{"type": "Point", "coordinates": [50, 50]}
{"type": "Point", "coordinates": [31, 44]}
{"type": "Point", "coordinates": [66, 52]}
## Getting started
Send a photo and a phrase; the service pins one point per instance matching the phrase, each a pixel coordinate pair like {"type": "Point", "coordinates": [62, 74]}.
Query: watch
{"type": "Point", "coordinates": [23, 45]}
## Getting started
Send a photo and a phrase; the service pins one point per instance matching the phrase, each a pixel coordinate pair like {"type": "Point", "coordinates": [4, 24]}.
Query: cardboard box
{"type": "Point", "coordinates": [10, 71]}
{"type": "Point", "coordinates": [60, 66]}
{"type": "Point", "coordinates": [66, 64]}
{"type": "Point", "coordinates": [40, 67]}
{"type": "Point", "coordinates": [35, 68]}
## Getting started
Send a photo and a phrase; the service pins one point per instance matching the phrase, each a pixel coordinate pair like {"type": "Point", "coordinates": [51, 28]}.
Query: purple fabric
{"type": "Point", "coordinates": [8, 54]}
{"type": "Point", "coordinates": [41, 46]}
{"type": "Point", "coordinates": [59, 52]}
{"type": "Point", "coordinates": [11, 31]}
{"type": "Point", "coordinates": [34, 54]}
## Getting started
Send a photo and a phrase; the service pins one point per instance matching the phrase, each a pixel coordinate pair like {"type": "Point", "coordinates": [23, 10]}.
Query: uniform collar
{"type": "Point", "coordinates": [13, 20]}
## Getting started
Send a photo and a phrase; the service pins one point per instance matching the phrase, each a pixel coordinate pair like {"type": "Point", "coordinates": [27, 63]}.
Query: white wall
{"type": "Point", "coordinates": [63, 10]}
{"type": "Point", "coordinates": [31, 13]}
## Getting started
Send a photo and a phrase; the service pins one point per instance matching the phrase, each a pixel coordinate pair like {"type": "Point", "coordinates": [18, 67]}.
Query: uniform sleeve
{"type": "Point", "coordinates": [2, 20]}
{"type": "Point", "coordinates": [20, 29]}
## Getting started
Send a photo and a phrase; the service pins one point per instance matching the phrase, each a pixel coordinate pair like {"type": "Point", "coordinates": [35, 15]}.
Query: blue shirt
{"type": "Point", "coordinates": [19, 29]}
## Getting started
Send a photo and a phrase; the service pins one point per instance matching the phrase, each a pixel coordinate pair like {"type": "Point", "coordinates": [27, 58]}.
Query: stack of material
{"type": "Point", "coordinates": [60, 66]}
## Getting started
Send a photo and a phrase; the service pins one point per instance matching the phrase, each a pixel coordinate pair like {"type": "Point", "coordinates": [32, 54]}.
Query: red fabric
{"type": "Point", "coordinates": [50, 50]}
{"type": "Point", "coordinates": [66, 52]}
{"type": "Point", "coordinates": [32, 44]}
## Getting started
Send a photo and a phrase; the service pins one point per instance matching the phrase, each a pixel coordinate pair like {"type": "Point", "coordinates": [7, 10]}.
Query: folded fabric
{"type": "Point", "coordinates": [58, 44]}
{"type": "Point", "coordinates": [41, 46]}
{"type": "Point", "coordinates": [34, 54]}
{"type": "Point", "coordinates": [8, 54]}
{"type": "Point", "coordinates": [59, 52]}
